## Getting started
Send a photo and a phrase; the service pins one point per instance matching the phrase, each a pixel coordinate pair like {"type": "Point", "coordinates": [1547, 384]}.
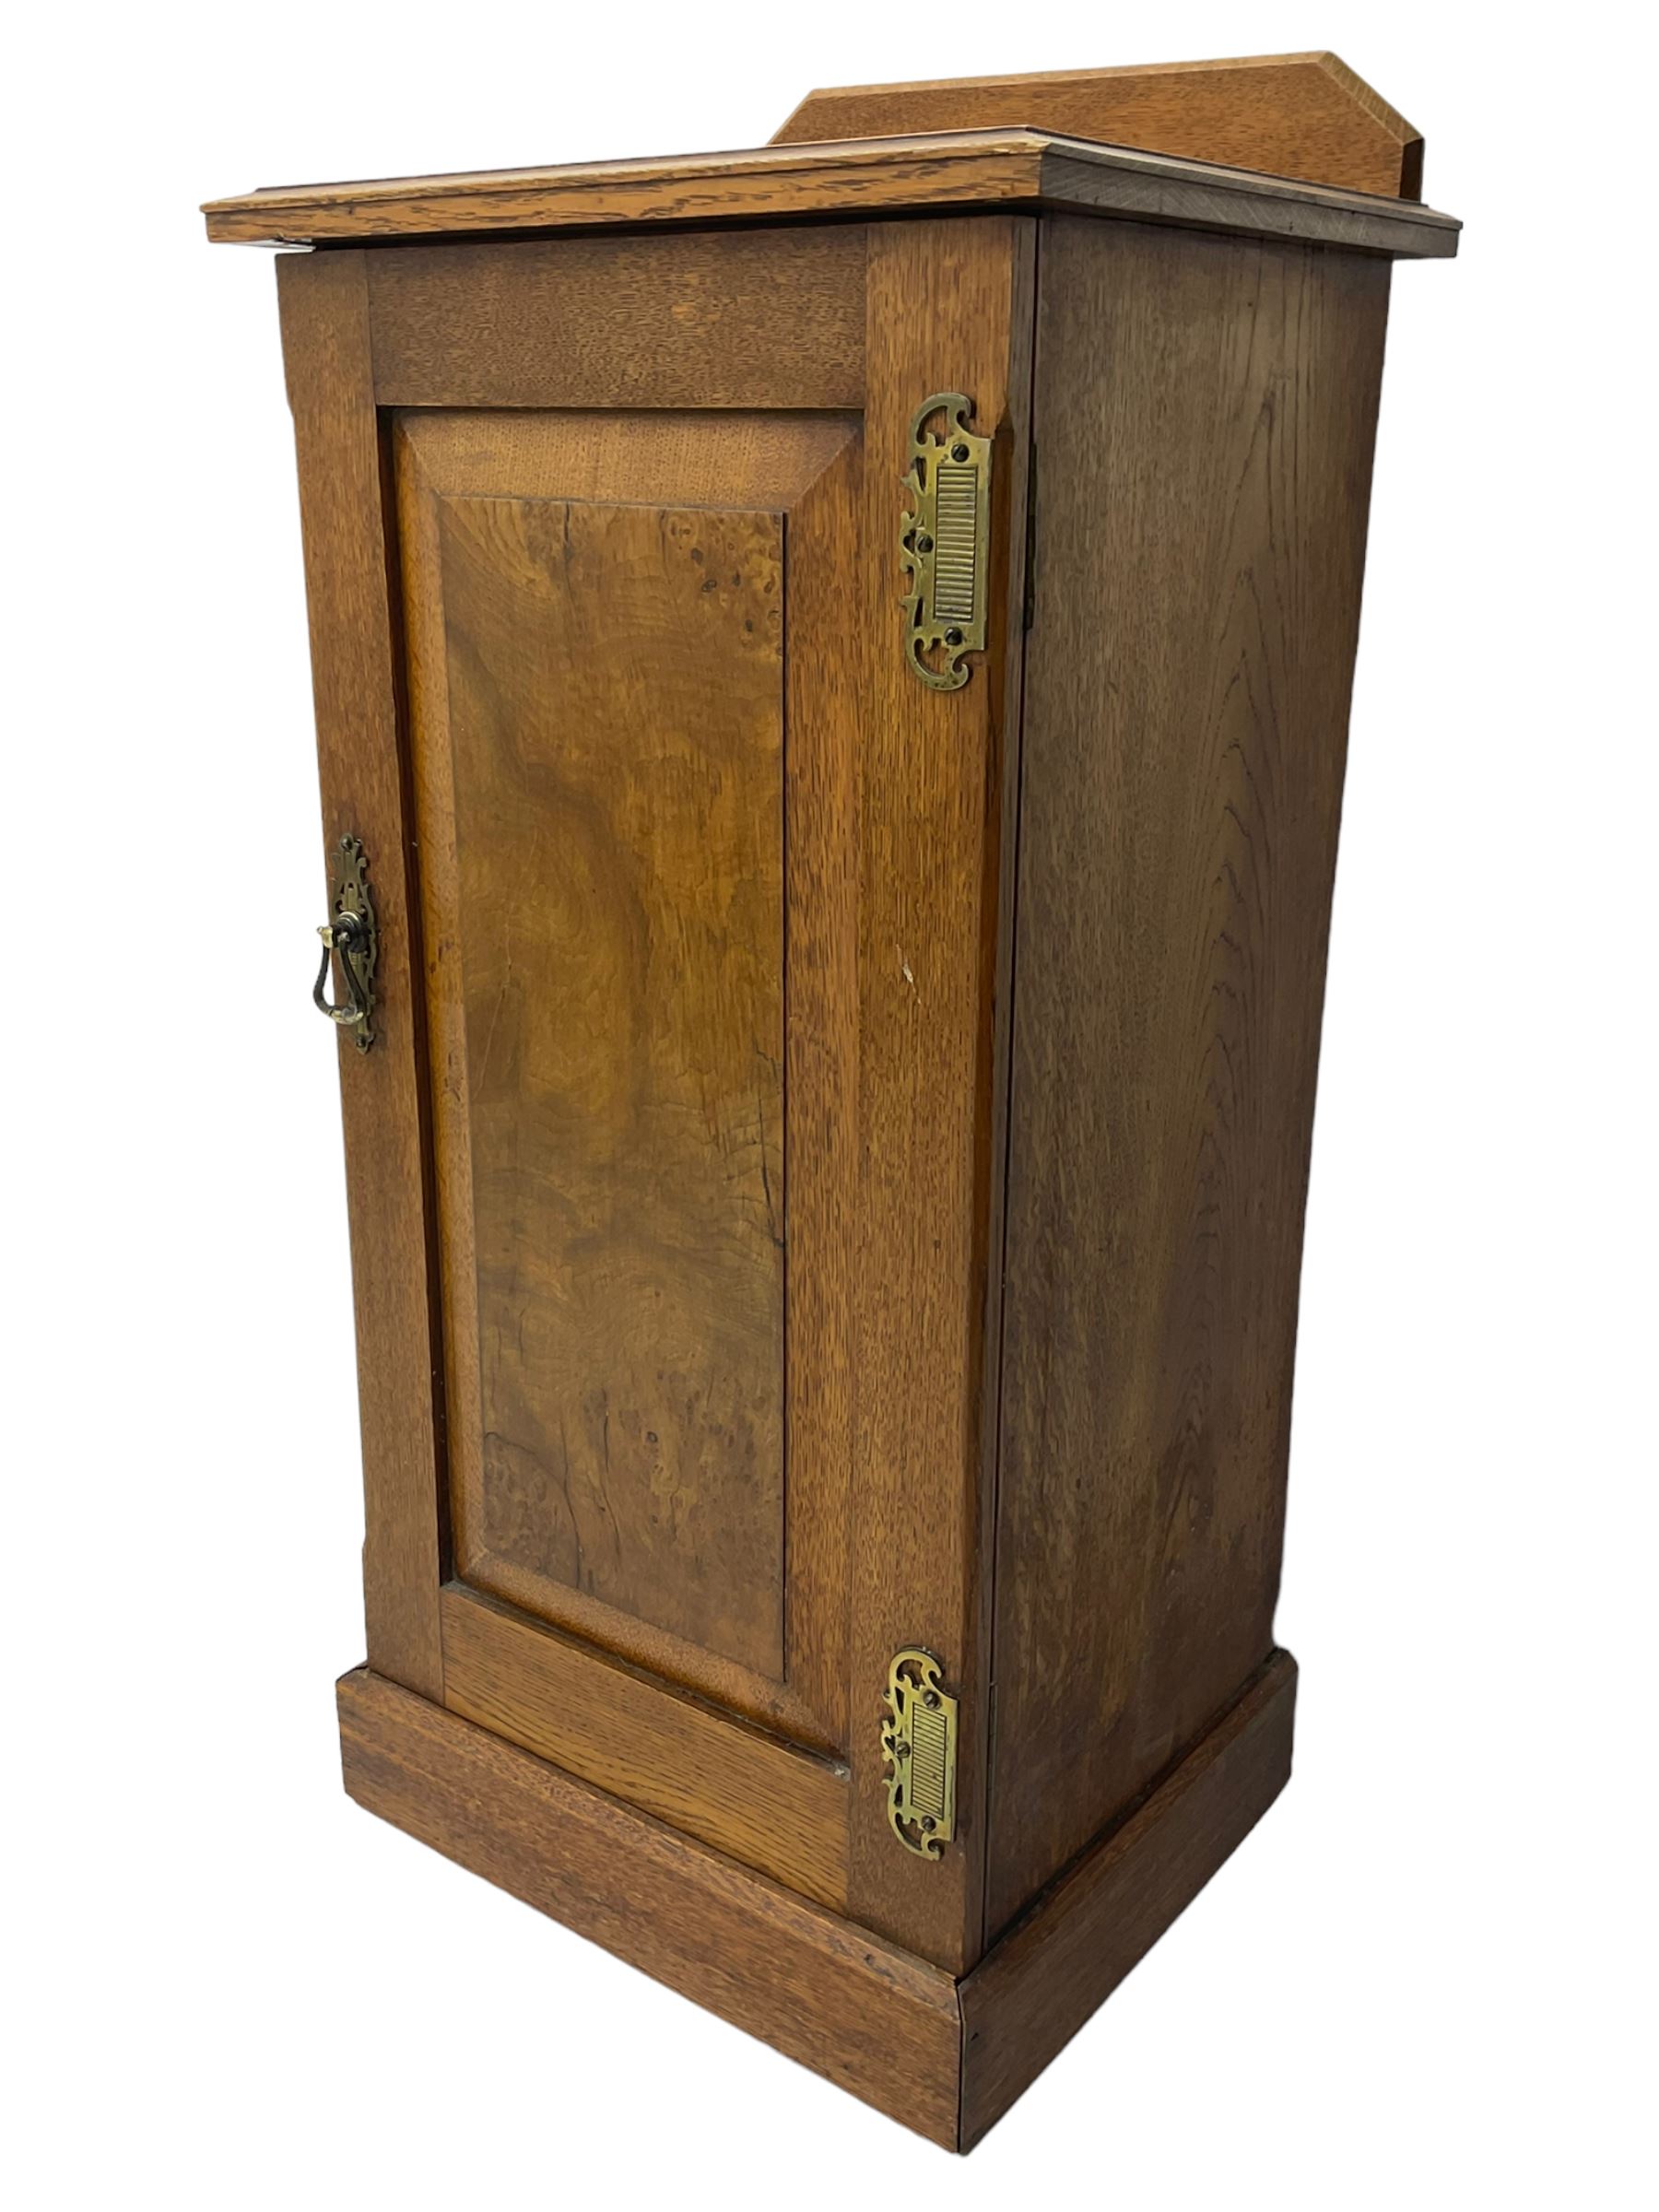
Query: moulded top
{"type": "Point", "coordinates": [1015, 170]}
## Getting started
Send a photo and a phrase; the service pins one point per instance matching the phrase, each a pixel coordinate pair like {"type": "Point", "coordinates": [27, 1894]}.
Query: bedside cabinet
{"type": "Point", "coordinates": [832, 672]}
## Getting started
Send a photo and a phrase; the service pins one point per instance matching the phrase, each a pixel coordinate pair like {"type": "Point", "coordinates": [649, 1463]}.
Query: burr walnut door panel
{"type": "Point", "coordinates": [614, 791]}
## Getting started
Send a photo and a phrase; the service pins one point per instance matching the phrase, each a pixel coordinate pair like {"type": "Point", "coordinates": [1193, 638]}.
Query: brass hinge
{"type": "Point", "coordinates": [945, 542]}
{"type": "Point", "coordinates": [919, 1743]}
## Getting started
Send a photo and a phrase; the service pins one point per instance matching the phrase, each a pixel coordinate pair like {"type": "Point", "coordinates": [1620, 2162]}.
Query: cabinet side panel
{"type": "Point", "coordinates": [1206, 411]}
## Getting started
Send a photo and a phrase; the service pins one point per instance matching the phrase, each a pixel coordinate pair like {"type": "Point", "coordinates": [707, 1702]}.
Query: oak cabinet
{"type": "Point", "coordinates": [831, 676]}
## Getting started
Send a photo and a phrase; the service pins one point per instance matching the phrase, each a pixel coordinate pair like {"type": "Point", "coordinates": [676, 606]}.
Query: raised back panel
{"type": "Point", "coordinates": [1302, 115]}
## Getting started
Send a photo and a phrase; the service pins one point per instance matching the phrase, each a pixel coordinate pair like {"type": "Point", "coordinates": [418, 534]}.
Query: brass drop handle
{"type": "Point", "coordinates": [339, 937]}
{"type": "Point", "coordinates": [350, 938]}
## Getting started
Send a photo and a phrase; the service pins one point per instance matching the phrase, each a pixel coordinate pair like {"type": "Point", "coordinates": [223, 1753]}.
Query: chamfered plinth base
{"type": "Point", "coordinates": [818, 1987]}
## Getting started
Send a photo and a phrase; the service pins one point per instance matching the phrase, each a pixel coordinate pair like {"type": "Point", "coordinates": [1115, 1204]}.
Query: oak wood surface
{"type": "Point", "coordinates": [683, 320]}
{"type": "Point", "coordinates": [826, 1257]}
{"type": "Point", "coordinates": [950, 307]}
{"type": "Point", "coordinates": [943, 2055]}
{"type": "Point", "coordinates": [1038, 1986]}
{"type": "Point", "coordinates": [902, 1143]}
{"type": "Point", "coordinates": [833, 1995]}
{"type": "Point", "coordinates": [1074, 181]}
{"type": "Point", "coordinates": [831, 1176]}
{"type": "Point", "coordinates": [748, 1794]}
{"type": "Point", "coordinates": [355, 654]}
{"type": "Point", "coordinates": [694, 458]}
{"type": "Point", "coordinates": [1304, 115]}
{"type": "Point", "coordinates": [1205, 415]}
{"type": "Point", "coordinates": [807, 466]}
{"type": "Point", "coordinates": [950, 172]}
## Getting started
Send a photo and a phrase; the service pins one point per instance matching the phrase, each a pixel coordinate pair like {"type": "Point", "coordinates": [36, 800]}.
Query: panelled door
{"type": "Point", "coordinates": [596, 609]}
{"type": "Point", "coordinates": [670, 1165]}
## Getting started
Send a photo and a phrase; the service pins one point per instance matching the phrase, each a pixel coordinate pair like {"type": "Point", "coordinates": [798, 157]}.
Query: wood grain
{"type": "Point", "coordinates": [1074, 181]}
{"type": "Point", "coordinates": [831, 1995]}
{"type": "Point", "coordinates": [1205, 416]}
{"type": "Point", "coordinates": [1023, 2004]}
{"type": "Point", "coordinates": [716, 458]}
{"type": "Point", "coordinates": [825, 1258]}
{"type": "Point", "coordinates": [748, 1794]}
{"type": "Point", "coordinates": [685, 320]}
{"type": "Point", "coordinates": [616, 712]}
{"type": "Point", "coordinates": [942, 2056]}
{"type": "Point", "coordinates": [355, 679]}
{"type": "Point", "coordinates": [1304, 115]}
{"type": "Point", "coordinates": [950, 307]}
{"type": "Point", "coordinates": [807, 466]}
{"type": "Point", "coordinates": [832, 1172]}
{"type": "Point", "coordinates": [1009, 170]}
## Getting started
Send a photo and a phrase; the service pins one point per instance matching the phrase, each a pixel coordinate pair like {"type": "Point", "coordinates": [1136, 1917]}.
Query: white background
{"type": "Point", "coordinates": [1425, 1980]}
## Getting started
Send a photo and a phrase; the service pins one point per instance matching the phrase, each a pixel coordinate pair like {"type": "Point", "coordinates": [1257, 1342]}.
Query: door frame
{"type": "Point", "coordinates": [947, 305]}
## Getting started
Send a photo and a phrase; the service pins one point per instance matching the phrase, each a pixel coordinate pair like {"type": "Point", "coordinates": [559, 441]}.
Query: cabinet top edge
{"type": "Point", "coordinates": [928, 173]}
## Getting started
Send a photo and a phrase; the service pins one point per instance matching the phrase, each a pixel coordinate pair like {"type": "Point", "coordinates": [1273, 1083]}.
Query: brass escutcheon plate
{"type": "Point", "coordinates": [357, 947]}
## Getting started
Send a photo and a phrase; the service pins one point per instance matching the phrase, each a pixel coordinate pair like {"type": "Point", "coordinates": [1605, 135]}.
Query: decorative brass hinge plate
{"type": "Point", "coordinates": [919, 1743]}
{"type": "Point", "coordinates": [945, 542]}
